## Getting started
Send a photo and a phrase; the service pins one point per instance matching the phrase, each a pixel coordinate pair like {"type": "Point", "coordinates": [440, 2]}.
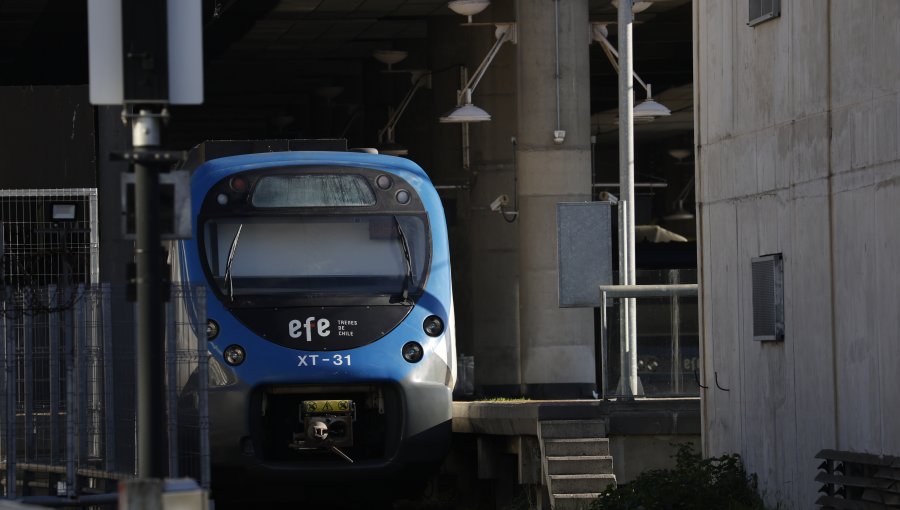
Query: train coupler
{"type": "Point", "coordinates": [327, 425]}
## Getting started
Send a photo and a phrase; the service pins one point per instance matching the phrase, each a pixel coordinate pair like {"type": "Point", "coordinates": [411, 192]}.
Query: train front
{"type": "Point", "coordinates": [330, 317]}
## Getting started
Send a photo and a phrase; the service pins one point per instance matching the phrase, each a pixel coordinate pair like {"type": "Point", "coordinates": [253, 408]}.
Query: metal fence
{"type": "Point", "coordinates": [48, 237]}
{"type": "Point", "coordinates": [67, 389]}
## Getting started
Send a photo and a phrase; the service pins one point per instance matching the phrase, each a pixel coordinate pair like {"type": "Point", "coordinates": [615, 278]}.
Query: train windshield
{"type": "Point", "coordinates": [317, 256]}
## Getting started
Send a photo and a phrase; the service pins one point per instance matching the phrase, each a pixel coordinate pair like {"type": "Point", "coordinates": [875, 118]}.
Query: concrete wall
{"type": "Point", "coordinates": [636, 454]}
{"type": "Point", "coordinates": [797, 129]}
{"type": "Point", "coordinates": [47, 138]}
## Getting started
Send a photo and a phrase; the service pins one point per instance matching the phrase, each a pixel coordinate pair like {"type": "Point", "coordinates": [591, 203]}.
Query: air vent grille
{"type": "Point", "coordinates": [768, 298]}
{"type": "Point", "coordinates": [762, 10]}
{"type": "Point", "coordinates": [858, 480]}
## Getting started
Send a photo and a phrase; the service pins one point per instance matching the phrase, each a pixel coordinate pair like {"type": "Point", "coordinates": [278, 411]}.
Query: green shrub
{"type": "Point", "coordinates": [695, 483]}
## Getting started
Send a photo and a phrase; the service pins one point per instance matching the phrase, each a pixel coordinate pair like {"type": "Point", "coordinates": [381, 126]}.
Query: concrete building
{"type": "Point", "coordinates": [797, 127]}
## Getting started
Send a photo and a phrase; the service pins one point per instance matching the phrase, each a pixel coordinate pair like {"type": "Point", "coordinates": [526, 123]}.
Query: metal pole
{"type": "Point", "coordinates": [622, 386]}
{"type": "Point", "coordinates": [151, 348]}
{"type": "Point", "coordinates": [626, 173]}
{"type": "Point", "coordinates": [71, 404]}
{"type": "Point", "coordinates": [676, 334]}
{"type": "Point", "coordinates": [56, 439]}
{"type": "Point", "coordinates": [625, 291]}
{"type": "Point", "coordinates": [28, 452]}
{"type": "Point", "coordinates": [82, 359]}
{"type": "Point", "coordinates": [464, 127]}
{"type": "Point", "coordinates": [172, 390]}
{"type": "Point", "coordinates": [9, 323]}
{"type": "Point", "coordinates": [604, 346]}
{"type": "Point", "coordinates": [202, 386]}
{"type": "Point", "coordinates": [109, 457]}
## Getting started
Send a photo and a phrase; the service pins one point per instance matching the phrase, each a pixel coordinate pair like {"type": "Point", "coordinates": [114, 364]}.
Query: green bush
{"type": "Point", "coordinates": [695, 483]}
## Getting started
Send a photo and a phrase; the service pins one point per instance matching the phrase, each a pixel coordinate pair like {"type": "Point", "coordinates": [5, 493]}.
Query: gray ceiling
{"type": "Point", "coordinates": [266, 58]}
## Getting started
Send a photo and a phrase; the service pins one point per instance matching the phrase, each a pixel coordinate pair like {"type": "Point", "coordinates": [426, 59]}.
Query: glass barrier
{"type": "Point", "coordinates": [668, 352]}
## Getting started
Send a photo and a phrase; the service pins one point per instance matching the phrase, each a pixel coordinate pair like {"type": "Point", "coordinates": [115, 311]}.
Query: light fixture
{"type": "Point", "coordinates": [468, 8]}
{"type": "Point", "coordinates": [433, 325]}
{"type": "Point", "coordinates": [234, 355]}
{"type": "Point", "coordinates": [386, 142]}
{"type": "Point", "coordinates": [63, 212]}
{"type": "Point", "coordinates": [645, 111]}
{"type": "Point", "coordinates": [390, 57]}
{"type": "Point", "coordinates": [680, 154]}
{"type": "Point", "coordinates": [680, 212]}
{"type": "Point", "coordinates": [636, 7]}
{"type": "Point", "coordinates": [212, 329]}
{"type": "Point", "coordinates": [412, 352]}
{"type": "Point", "coordinates": [648, 109]}
{"type": "Point", "coordinates": [465, 111]}
{"type": "Point", "coordinates": [329, 92]}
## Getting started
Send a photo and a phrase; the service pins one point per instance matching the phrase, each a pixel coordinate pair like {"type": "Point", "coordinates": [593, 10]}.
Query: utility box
{"type": "Point", "coordinates": [584, 249]}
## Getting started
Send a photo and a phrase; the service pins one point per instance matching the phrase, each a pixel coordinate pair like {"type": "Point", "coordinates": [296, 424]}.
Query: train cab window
{"type": "Point", "coordinates": [317, 256]}
{"type": "Point", "coordinates": [332, 190]}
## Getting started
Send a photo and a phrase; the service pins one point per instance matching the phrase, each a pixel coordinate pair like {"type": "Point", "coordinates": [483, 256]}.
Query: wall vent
{"type": "Point", "coordinates": [768, 298]}
{"type": "Point", "coordinates": [857, 480]}
{"type": "Point", "coordinates": [762, 10]}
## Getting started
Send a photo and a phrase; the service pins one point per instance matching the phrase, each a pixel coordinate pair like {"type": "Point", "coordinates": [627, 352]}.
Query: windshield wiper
{"type": "Point", "coordinates": [229, 260]}
{"type": "Point", "coordinates": [409, 278]}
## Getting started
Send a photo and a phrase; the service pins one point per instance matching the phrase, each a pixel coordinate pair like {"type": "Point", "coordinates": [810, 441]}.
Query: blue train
{"type": "Point", "coordinates": [330, 318]}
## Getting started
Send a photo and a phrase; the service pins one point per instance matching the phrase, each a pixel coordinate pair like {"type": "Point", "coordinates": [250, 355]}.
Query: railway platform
{"type": "Point", "coordinates": [562, 453]}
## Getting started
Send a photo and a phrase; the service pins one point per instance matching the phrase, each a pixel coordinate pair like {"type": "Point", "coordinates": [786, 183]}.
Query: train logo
{"type": "Point", "coordinates": [295, 328]}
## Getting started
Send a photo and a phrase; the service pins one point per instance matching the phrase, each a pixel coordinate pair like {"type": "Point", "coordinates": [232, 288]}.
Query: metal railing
{"type": "Point", "coordinates": [660, 360]}
{"type": "Point", "coordinates": [67, 389]}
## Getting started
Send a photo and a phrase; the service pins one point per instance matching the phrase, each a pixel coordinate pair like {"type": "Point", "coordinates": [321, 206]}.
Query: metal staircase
{"type": "Point", "coordinates": [576, 462]}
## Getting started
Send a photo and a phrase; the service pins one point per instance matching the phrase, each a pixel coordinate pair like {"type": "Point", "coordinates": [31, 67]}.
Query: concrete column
{"type": "Point", "coordinates": [484, 247]}
{"type": "Point", "coordinates": [557, 344]}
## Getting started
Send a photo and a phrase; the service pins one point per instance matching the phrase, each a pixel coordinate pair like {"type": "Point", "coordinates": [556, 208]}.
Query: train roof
{"type": "Point", "coordinates": [215, 149]}
{"type": "Point", "coordinates": [220, 155]}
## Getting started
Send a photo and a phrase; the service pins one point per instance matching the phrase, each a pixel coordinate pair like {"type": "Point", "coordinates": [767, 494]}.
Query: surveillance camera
{"type": "Point", "coordinates": [499, 202]}
{"type": "Point", "coordinates": [559, 137]}
{"type": "Point", "coordinates": [606, 196]}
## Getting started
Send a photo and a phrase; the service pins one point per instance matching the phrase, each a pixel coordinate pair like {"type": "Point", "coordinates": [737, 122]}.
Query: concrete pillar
{"type": "Point", "coordinates": [557, 344]}
{"type": "Point", "coordinates": [485, 260]}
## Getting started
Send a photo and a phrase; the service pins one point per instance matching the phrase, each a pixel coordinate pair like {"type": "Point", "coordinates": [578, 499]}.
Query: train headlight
{"type": "Point", "coordinates": [413, 352]}
{"type": "Point", "coordinates": [433, 325]}
{"type": "Point", "coordinates": [234, 355]}
{"type": "Point", "coordinates": [383, 182]}
{"type": "Point", "coordinates": [212, 329]}
{"type": "Point", "coordinates": [238, 184]}
{"type": "Point", "coordinates": [402, 197]}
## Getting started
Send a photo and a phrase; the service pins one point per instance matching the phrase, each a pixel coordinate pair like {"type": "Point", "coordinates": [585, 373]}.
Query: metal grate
{"type": "Point", "coordinates": [768, 298]}
{"type": "Point", "coordinates": [858, 480]}
{"type": "Point", "coordinates": [48, 237]}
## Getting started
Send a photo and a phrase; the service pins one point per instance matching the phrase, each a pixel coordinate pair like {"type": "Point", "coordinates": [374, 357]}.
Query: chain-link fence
{"type": "Point", "coordinates": [67, 389]}
{"type": "Point", "coordinates": [48, 237]}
